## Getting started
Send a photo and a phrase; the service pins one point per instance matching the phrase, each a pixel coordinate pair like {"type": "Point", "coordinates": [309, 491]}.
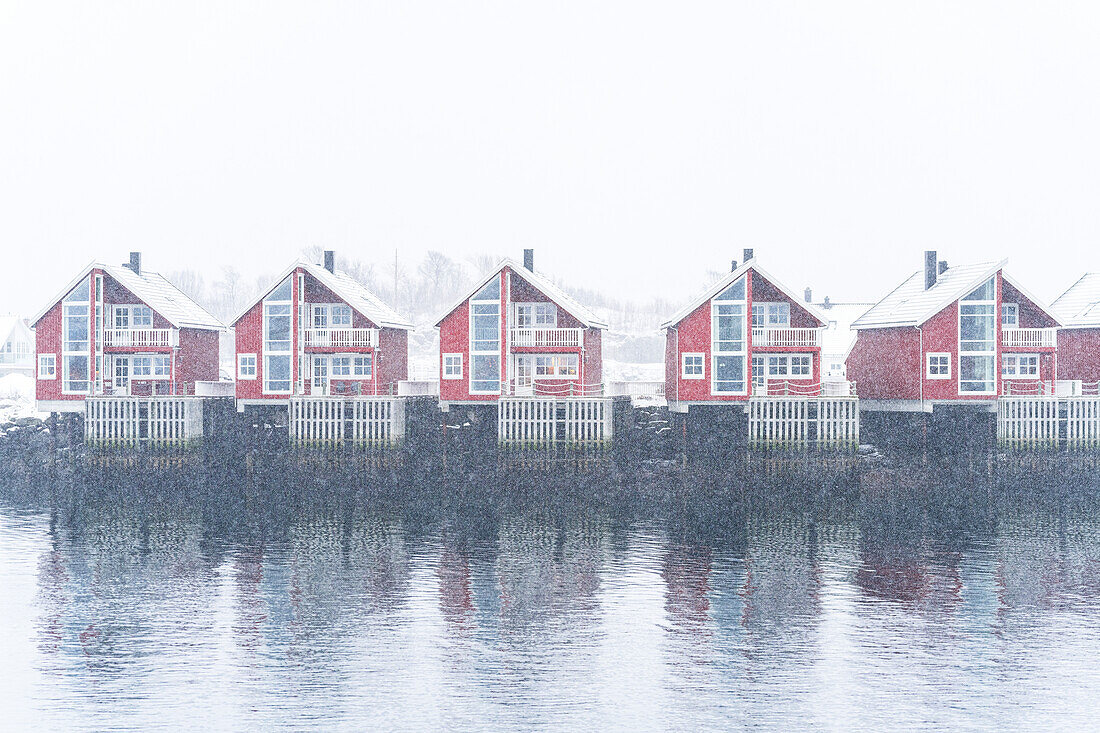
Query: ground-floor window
{"type": "Point", "coordinates": [938, 366]}
{"type": "Point", "coordinates": [485, 373]}
{"type": "Point", "coordinates": [452, 366]}
{"type": "Point", "coordinates": [277, 373]}
{"type": "Point", "coordinates": [792, 366]}
{"type": "Point", "coordinates": [74, 375]}
{"type": "Point", "coordinates": [729, 374]}
{"type": "Point", "coordinates": [362, 366]}
{"type": "Point", "coordinates": [1020, 366]}
{"type": "Point", "coordinates": [47, 366]}
{"type": "Point", "coordinates": [155, 366]}
{"type": "Point", "coordinates": [692, 366]}
{"type": "Point", "coordinates": [246, 366]}
{"type": "Point", "coordinates": [977, 374]}
{"type": "Point", "coordinates": [556, 366]}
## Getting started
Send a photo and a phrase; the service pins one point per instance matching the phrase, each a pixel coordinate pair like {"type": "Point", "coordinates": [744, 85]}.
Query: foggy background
{"type": "Point", "coordinates": [638, 147]}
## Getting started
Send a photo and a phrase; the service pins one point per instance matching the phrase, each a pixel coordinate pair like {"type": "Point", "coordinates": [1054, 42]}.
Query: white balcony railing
{"type": "Point", "coordinates": [140, 338]}
{"type": "Point", "coordinates": [341, 338]}
{"type": "Point", "coordinates": [548, 338]}
{"type": "Point", "coordinates": [796, 337]}
{"type": "Point", "coordinates": [1029, 338]}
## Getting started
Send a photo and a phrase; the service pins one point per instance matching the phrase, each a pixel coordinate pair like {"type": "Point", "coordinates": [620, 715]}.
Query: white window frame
{"type": "Point", "coordinates": [357, 368]}
{"type": "Point", "coordinates": [1013, 308]}
{"type": "Point", "coordinates": [449, 364]}
{"type": "Point", "coordinates": [1014, 360]}
{"type": "Point", "coordinates": [784, 366]}
{"type": "Point", "coordinates": [487, 353]}
{"type": "Point", "coordinates": [536, 315]}
{"type": "Point", "coordinates": [341, 361]}
{"type": "Point", "coordinates": [928, 364]}
{"type": "Point", "coordinates": [68, 353]}
{"type": "Point", "coordinates": [746, 333]}
{"type": "Point", "coordinates": [702, 365]}
{"type": "Point", "coordinates": [269, 354]}
{"type": "Point", "coordinates": [992, 354]}
{"type": "Point", "coordinates": [47, 366]}
{"type": "Point", "coordinates": [245, 371]}
{"type": "Point", "coordinates": [555, 366]}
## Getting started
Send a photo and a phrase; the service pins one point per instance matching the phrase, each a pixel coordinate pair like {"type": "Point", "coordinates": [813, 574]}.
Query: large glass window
{"type": "Point", "coordinates": [728, 343]}
{"type": "Point", "coordinates": [74, 339]}
{"type": "Point", "coordinates": [277, 339]}
{"type": "Point", "coordinates": [485, 339]}
{"type": "Point", "coordinates": [978, 340]}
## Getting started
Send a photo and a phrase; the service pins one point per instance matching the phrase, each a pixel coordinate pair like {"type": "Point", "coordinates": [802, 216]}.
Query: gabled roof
{"type": "Point", "coordinates": [1079, 306]}
{"type": "Point", "coordinates": [728, 280]}
{"type": "Point", "coordinates": [910, 304]}
{"type": "Point", "coordinates": [9, 325]}
{"type": "Point", "coordinates": [537, 281]}
{"type": "Point", "coordinates": [152, 289]}
{"type": "Point", "coordinates": [350, 290]}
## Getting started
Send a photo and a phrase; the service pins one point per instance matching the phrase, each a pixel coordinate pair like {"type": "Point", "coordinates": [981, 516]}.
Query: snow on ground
{"type": "Point", "coordinates": [17, 398]}
{"type": "Point", "coordinates": [622, 371]}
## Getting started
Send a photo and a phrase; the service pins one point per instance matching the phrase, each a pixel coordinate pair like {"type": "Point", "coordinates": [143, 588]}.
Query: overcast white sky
{"type": "Point", "coordinates": [635, 145]}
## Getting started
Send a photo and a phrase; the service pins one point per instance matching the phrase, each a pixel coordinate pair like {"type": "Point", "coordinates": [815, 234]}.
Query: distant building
{"type": "Point", "coordinates": [1079, 337]}
{"type": "Point", "coordinates": [318, 331]}
{"type": "Point", "coordinates": [966, 334]}
{"type": "Point", "coordinates": [517, 333]}
{"type": "Point", "coordinates": [838, 337]}
{"type": "Point", "coordinates": [121, 330]}
{"type": "Point", "coordinates": [16, 347]}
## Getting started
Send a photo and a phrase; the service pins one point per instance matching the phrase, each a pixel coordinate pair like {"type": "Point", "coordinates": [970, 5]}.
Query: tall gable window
{"type": "Point", "coordinates": [978, 340]}
{"type": "Point", "coordinates": [74, 339]}
{"type": "Point", "coordinates": [485, 339]}
{"type": "Point", "coordinates": [728, 343]}
{"type": "Point", "coordinates": [277, 339]}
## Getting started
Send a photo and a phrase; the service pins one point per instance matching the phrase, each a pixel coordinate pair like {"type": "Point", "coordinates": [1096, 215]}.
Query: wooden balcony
{"type": "Point", "coordinates": [1029, 338]}
{"type": "Point", "coordinates": [801, 338]}
{"type": "Point", "coordinates": [547, 338]}
{"type": "Point", "coordinates": [341, 338]}
{"type": "Point", "coordinates": [140, 338]}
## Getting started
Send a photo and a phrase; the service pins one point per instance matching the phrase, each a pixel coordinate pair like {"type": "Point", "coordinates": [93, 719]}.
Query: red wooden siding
{"type": "Point", "coordinates": [885, 363]}
{"type": "Point", "coordinates": [1079, 354]}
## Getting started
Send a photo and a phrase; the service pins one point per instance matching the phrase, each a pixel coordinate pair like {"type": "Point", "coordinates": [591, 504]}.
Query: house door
{"type": "Point", "coordinates": [759, 376]}
{"type": "Point", "coordinates": [320, 375]}
{"type": "Point", "coordinates": [525, 371]}
{"type": "Point", "coordinates": [122, 375]}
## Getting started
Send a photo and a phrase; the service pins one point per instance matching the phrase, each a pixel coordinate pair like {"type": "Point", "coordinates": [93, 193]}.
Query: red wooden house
{"type": "Point", "coordinates": [517, 333]}
{"type": "Point", "coordinates": [121, 330]}
{"type": "Point", "coordinates": [953, 335]}
{"type": "Point", "coordinates": [746, 335]}
{"type": "Point", "coordinates": [317, 331]}
{"type": "Point", "coordinates": [1079, 338]}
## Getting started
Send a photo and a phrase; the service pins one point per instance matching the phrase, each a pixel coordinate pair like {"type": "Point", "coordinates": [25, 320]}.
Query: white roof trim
{"type": "Point", "coordinates": [379, 316]}
{"type": "Point", "coordinates": [168, 308]}
{"type": "Point", "coordinates": [552, 291]}
{"type": "Point", "coordinates": [948, 297]}
{"type": "Point", "coordinates": [729, 279]}
{"type": "Point", "coordinates": [1035, 301]}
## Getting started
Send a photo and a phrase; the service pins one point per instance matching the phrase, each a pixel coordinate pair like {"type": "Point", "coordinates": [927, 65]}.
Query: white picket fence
{"type": "Point", "coordinates": [794, 422]}
{"type": "Point", "coordinates": [161, 422]}
{"type": "Point", "coordinates": [369, 422]}
{"type": "Point", "coordinates": [1048, 422]}
{"type": "Point", "coordinates": [536, 421]}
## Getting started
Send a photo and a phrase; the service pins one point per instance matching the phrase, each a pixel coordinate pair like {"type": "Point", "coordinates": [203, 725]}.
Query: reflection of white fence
{"type": "Point", "coordinates": [1048, 422]}
{"type": "Point", "coordinates": [787, 422]}
{"type": "Point", "coordinates": [377, 422]}
{"type": "Point", "coordinates": [534, 421]}
{"type": "Point", "coordinates": [161, 422]}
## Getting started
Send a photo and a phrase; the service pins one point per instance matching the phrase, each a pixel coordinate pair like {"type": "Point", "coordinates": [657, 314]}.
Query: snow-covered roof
{"type": "Point", "coordinates": [9, 325]}
{"type": "Point", "coordinates": [350, 290]}
{"type": "Point", "coordinates": [910, 304]}
{"type": "Point", "coordinates": [1079, 306]}
{"type": "Point", "coordinates": [152, 289]}
{"type": "Point", "coordinates": [728, 280]}
{"type": "Point", "coordinates": [540, 283]}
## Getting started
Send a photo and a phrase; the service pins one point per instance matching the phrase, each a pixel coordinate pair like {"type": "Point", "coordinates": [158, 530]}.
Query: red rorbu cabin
{"type": "Point", "coordinates": [953, 335]}
{"type": "Point", "coordinates": [1079, 338]}
{"type": "Point", "coordinates": [122, 330]}
{"type": "Point", "coordinates": [517, 333]}
{"type": "Point", "coordinates": [747, 335]}
{"type": "Point", "coordinates": [317, 331]}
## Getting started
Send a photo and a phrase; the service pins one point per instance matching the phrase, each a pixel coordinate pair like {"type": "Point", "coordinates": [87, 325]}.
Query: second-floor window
{"type": "Point", "coordinates": [771, 315]}
{"type": "Point", "coordinates": [133, 316]}
{"type": "Point", "coordinates": [334, 315]}
{"type": "Point", "coordinates": [536, 315]}
{"type": "Point", "coordinates": [1010, 315]}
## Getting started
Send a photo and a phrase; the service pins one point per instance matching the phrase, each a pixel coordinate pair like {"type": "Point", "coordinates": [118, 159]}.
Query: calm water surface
{"type": "Point", "coordinates": [894, 599]}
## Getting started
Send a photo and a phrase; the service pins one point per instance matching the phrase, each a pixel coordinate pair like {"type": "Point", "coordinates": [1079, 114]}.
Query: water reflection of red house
{"type": "Point", "coordinates": [687, 571]}
{"type": "Point", "coordinates": [456, 600]}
